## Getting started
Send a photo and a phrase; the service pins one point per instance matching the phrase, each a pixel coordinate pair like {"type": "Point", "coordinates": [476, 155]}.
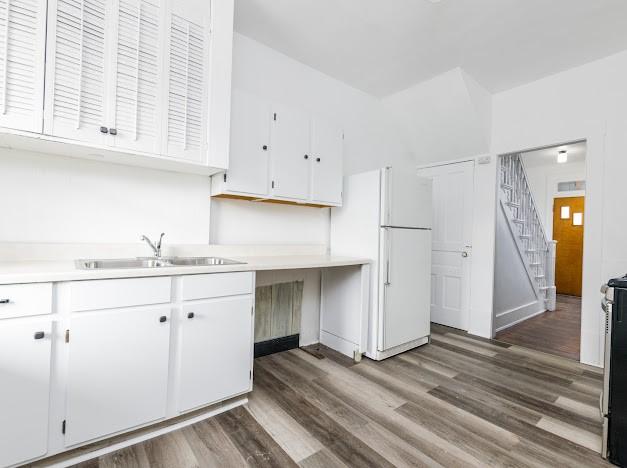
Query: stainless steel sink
{"type": "Point", "coordinates": [202, 261]}
{"type": "Point", "coordinates": [149, 262]}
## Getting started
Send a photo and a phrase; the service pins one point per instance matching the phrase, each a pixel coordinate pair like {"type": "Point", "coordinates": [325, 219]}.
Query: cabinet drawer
{"type": "Point", "coordinates": [217, 285]}
{"type": "Point", "coordinates": [109, 294]}
{"type": "Point", "coordinates": [22, 300]}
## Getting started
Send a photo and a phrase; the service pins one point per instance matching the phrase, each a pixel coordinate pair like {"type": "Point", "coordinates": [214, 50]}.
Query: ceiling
{"type": "Point", "coordinates": [384, 46]}
{"type": "Point", "coordinates": [548, 156]}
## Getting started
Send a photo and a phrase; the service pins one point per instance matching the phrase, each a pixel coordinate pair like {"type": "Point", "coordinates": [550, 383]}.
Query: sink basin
{"type": "Point", "coordinates": [201, 261]}
{"type": "Point", "coordinates": [148, 262]}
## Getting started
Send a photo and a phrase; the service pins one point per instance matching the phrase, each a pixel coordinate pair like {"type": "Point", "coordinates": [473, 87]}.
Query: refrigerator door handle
{"type": "Point", "coordinates": [388, 253]}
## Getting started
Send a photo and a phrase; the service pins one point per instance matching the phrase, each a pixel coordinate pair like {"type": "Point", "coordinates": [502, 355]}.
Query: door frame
{"type": "Point", "coordinates": [470, 261]}
{"type": "Point", "coordinates": [585, 260]}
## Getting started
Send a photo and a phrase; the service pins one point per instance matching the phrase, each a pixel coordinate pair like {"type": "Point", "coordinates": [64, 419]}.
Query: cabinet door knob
{"type": "Point", "coordinates": [104, 130]}
{"type": "Point", "coordinates": [5, 301]}
{"type": "Point", "coordinates": [306, 156]}
{"type": "Point", "coordinates": [264, 147]}
{"type": "Point", "coordinates": [317, 159]}
{"type": "Point", "coordinates": [163, 318]}
{"type": "Point", "coordinates": [39, 335]}
{"type": "Point", "coordinates": [113, 131]}
{"type": "Point", "coordinates": [190, 315]}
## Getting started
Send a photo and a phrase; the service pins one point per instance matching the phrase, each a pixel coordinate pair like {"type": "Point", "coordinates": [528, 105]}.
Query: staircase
{"type": "Point", "coordinates": [535, 248]}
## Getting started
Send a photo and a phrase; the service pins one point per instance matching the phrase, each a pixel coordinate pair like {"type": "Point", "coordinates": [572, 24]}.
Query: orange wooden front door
{"type": "Point", "coordinates": [569, 253]}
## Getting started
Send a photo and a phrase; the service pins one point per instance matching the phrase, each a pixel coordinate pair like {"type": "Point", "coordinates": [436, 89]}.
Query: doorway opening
{"type": "Point", "coordinates": [540, 227]}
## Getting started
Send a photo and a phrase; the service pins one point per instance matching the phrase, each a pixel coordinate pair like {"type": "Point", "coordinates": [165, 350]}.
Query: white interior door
{"type": "Point", "coordinates": [327, 145]}
{"type": "Point", "coordinates": [452, 242]}
{"type": "Point", "coordinates": [290, 153]}
{"type": "Point", "coordinates": [25, 348]}
{"type": "Point", "coordinates": [250, 144]}
{"type": "Point", "coordinates": [117, 371]}
{"type": "Point", "coordinates": [406, 281]}
{"type": "Point", "coordinates": [137, 83]}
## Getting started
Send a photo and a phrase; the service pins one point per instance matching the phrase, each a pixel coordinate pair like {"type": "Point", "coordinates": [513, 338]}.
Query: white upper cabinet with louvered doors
{"type": "Point", "coordinates": [186, 135]}
{"type": "Point", "coordinates": [138, 82]}
{"type": "Point", "coordinates": [137, 87]}
{"type": "Point", "coordinates": [76, 83]}
{"type": "Point", "coordinates": [22, 56]}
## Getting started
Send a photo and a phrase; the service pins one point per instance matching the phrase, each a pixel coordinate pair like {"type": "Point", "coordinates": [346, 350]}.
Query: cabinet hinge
{"type": "Point", "coordinates": [273, 184]}
{"type": "Point", "coordinates": [67, 336]}
{"type": "Point", "coordinates": [250, 375]}
{"type": "Point", "coordinates": [252, 310]}
{"type": "Point", "coordinates": [275, 116]}
{"type": "Point", "coordinates": [225, 177]}
{"type": "Point", "coordinates": [63, 427]}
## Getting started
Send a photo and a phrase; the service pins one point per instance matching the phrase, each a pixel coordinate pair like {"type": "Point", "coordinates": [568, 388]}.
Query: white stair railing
{"type": "Point", "coordinates": [539, 251]}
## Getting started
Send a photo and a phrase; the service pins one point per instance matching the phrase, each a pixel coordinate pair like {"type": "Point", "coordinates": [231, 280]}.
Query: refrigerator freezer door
{"type": "Point", "coordinates": [405, 199]}
{"type": "Point", "coordinates": [406, 282]}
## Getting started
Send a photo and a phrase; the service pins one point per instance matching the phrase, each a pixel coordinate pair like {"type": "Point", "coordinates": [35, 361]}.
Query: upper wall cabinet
{"type": "Point", "coordinates": [22, 58]}
{"type": "Point", "coordinates": [78, 45]}
{"type": "Point", "coordinates": [143, 82]}
{"type": "Point", "coordinates": [280, 153]}
{"type": "Point", "coordinates": [138, 79]}
{"type": "Point", "coordinates": [327, 142]}
{"type": "Point", "coordinates": [188, 80]}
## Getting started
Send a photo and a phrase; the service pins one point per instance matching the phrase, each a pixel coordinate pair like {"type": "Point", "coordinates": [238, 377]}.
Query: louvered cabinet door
{"type": "Point", "coordinates": [77, 61]}
{"type": "Point", "coordinates": [137, 86]}
{"type": "Point", "coordinates": [22, 56]}
{"type": "Point", "coordinates": [188, 79]}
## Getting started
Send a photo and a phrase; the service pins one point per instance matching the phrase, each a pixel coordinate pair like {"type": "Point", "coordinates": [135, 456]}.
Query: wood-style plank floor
{"type": "Point", "coordinates": [557, 332]}
{"type": "Point", "coordinates": [459, 401]}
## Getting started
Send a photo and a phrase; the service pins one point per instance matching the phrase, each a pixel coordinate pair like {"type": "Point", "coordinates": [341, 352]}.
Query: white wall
{"type": "Point", "coordinates": [445, 118]}
{"type": "Point", "coordinates": [588, 102]}
{"type": "Point", "coordinates": [46, 198]}
{"type": "Point", "coordinates": [543, 181]}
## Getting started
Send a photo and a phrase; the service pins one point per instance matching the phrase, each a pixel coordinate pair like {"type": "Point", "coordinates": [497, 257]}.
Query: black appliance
{"type": "Point", "coordinates": [614, 397]}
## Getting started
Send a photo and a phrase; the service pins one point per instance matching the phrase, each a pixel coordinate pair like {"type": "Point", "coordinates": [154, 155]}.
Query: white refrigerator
{"type": "Point", "coordinates": [386, 216]}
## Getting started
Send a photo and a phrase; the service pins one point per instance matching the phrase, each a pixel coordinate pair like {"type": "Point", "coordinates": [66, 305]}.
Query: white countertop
{"type": "Point", "coordinates": [65, 270]}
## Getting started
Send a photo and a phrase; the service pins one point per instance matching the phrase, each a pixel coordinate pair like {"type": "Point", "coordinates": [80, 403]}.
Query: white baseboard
{"type": "Point", "coordinates": [518, 314]}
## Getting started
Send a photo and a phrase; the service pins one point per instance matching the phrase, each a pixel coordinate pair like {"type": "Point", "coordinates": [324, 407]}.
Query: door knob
{"type": "Point", "coordinates": [264, 147]}
{"type": "Point", "coordinates": [190, 315]}
{"type": "Point", "coordinates": [464, 254]}
{"type": "Point", "coordinates": [163, 318]}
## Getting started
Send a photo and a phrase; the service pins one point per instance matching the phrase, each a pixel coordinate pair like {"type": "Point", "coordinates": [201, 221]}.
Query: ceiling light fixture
{"type": "Point", "coordinates": [562, 156]}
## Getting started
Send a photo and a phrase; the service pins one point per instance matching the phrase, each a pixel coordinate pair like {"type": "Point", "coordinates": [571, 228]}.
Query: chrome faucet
{"type": "Point", "coordinates": [155, 248]}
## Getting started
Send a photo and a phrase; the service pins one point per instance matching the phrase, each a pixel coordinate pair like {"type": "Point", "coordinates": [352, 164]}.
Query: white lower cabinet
{"type": "Point", "coordinates": [216, 341]}
{"type": "Point", "coordinates": [25, 353]}
{"type": "Point", "coordinates": [117, 371]}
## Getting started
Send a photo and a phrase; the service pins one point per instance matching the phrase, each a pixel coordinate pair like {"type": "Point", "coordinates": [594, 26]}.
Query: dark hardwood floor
{"type": "Point", "coordinates": [557, 332]}
{"type": "Point", "coordinates": [459, 401]}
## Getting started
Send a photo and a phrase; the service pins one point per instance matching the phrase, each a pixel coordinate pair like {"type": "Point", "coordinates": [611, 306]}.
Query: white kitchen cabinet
{"type": "Point", "coordinates": [77, 62]}
{"type": "Point", "coordinates": [327, 143]}
{"type": "Point", "coordinates": [186, 134]}
{"type": "Point", "coordinates": [290, 153]}
{"type": "Point", "coordinates": [25, 357]}
{"type": "Point", "coordinates": [117, 371]}
{"type": "Point", "coordinates": [22, 58]}
{"type": "Point", "coordinates": [137, 103]}
{"type": "Point", "coordinates": [250, 145]}
{"type": "Point", "coordinates": [279, 153]}
{"type": "Point", "coordinates": [216, 351]}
